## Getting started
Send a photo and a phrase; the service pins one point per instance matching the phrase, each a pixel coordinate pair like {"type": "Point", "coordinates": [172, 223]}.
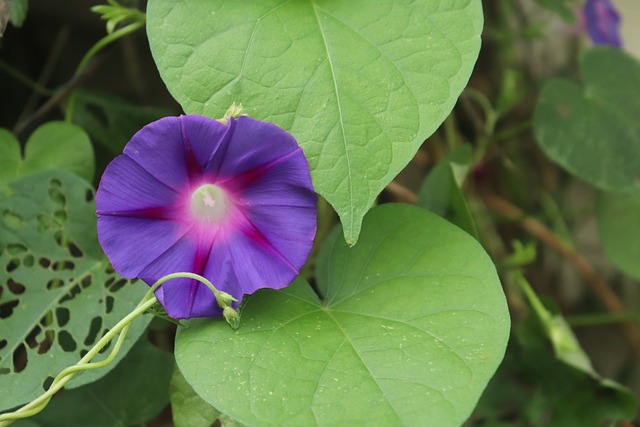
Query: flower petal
{"type": "Point", "coordinates": [286, 184]}
{"type": "Point", "coordinates": [184, 298]}
{"type": "Point", "coordinates": [133, 243]}
{"type": "Point", "coordinates": [252, 143]}
{"type": "Point", "coordinates": [174, 149]}
{"type": "Point", "coordinates": [241, 264]}
{"type": "Point", "coordinates": [603, 22]}
{"type": "Point", "coordinates": [126, 188]}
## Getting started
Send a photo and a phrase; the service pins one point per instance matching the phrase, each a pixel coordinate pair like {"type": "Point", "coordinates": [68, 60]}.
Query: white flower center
{"type": "Point", "coordinates": [209, 203]}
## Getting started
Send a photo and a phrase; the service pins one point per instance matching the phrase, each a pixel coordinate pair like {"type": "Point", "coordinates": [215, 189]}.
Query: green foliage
{"type": "Point", "coordinates": [134, 392]}
{"type": "Point", "coordinates": [18, 11]}
{"type": "Point", "coordinates": [593, 130]}
{"type": "Point", "coordinates": [111, 121]}
{"type": "Point", "coordinates": [115, 14]}
{"type": "Point", "coordinates": [58, 293]}
{"type": "Point", "coordinates": [619, 229]}
{"type": "Point", "coordinates": [412, 326]}
{"type": "Point", "coordinates": [548, 380]}
{"type": "Point", "coordinates": [54, 145]}
{"type": "Point", "coordinates": [359, 85]}
{"type": "Point", "coordinates": [188, 409]}
{"type": "Point", "coordinates": [441, 191]}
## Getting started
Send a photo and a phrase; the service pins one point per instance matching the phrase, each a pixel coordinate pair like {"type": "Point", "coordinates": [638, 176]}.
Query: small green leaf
{"type": "Point", "coordinates": [441, 191]}
{"type": "Point", "coordinates": [133, 393]}
{"type": "Point", "coordinates": [360, 85]}
{"type": "Point", "coordinates": [188, 409]}
{"type": "Point", "coordinates": [567, 386]}
{"type": "Point", "coordinates": [54, 145]}
{"type": "Point", "coordinates": [58, 293]}
{"type": "Point", "coordinates": [593, 130]}
{"type": "Point", "coordinates": [18, 12]}
{"type": "Point", "coordinates": [619, 227]}
{"type": "Point", "coordinates": [412, 326]}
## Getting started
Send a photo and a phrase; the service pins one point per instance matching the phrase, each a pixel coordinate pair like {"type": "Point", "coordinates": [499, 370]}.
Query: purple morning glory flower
{"type": "Point", "coordinates": [233, 203]}
{"type": "Point", "coordinates": [603, 22]}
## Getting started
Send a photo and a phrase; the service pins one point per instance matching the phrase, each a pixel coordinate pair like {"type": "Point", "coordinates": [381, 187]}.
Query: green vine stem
{"type": "Point", "coordinates": [100, 44]}
{"type": "Point", "coordinates": [122, 327]}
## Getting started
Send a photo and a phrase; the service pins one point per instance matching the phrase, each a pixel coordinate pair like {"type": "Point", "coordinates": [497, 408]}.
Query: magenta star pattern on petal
{"type": "Point", "coordinates": [233, 203]}
{"type": "Point", "coordinates": [602, 22]}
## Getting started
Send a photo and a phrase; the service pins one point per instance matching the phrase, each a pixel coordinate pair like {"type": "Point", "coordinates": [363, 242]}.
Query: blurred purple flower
{"type": "Point", "coordinates": [233, 203]}
{"type": "Point", "coordinates": [602, 22]}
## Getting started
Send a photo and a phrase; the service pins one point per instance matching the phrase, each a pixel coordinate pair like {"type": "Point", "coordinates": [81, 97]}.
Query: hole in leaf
{"type": "Point", "coordinates": [67, 342]}
{"type": "Point", "coordinates": [13, 264]}
{"type": "Point", "coordinates": [62, 316]}
{"type": "Point", "coordinates": [47, 319]}
{"type": "Point", "coordinates": [55, 284]}
{"type": "Point", "coordinates": [94, 329]}
{"type": "Point", "coordinates": [19, 358]}
{"type": "Point", "coordinates": [85, 281]}
{"type": "Point", "coordinates": [47, 342]}
{"type": "Point", "coordinates": [118, 285]}
{"type": "Point", "coordinates": [44, 262]}
{"type": "Point", "coordinates": [32, 339]}
{"type": "Point", "coordinates": [75, 290]}
{"type": "Point", "coordinates": [55, 194]}
{"type": "Point", "coordinates": [3, 344]}
{"type": "Point", "coordinates": [15, 287]}
{"type": "Point", "coordinates": [109, 304]}
{"type": "Point", "coordinates": [16, 249]}
{"type": "Point", "coordinates": [74, 250]}
{"type": "Point", "coordinates": [28, 261]}
{"type": "Point", "coordinates": [6, 308]}
{"type": "Point", "coordinates": [88, 196]}
{"type": "Point", "coordinates": [106, 347]}
{"type": "Point", "coordinates": [12, 220]}
{"type": "Point", "coordinates": [63, 265]}
{"type": "Point", "coordinates": [109, 269]}
{"type": "Point", "coordinates": [47, 383]}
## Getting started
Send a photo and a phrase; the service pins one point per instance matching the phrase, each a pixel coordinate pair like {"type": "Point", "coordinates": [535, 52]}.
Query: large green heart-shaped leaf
{"type": "Point", "coordinates": [593, 131]}
{"type": "Point", "coordinates": [187, 408]}
{"type": "Point", "coordinates": [58, 293]}
{"type": "Point", "coordinates": [412, 326]}
{"type": "Point", "coordinates": [360, 84]}
{"type": "Point", "coordinates": [619, 228]}
{"type": "Point", "coordinates": [54, 145]}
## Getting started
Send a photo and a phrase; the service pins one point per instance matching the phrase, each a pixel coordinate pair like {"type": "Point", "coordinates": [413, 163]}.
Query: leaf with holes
{"type": "Point", "coordinates": [54, 145]}
{"type": "Point", "coordinates": [592, 130]}
{"type": "Point", "coordinates": [359, 84]}
{"type": "Point", "coordinates": [133, 393]}
{"type": "Point", "coordinates": [412, 326]}
{"type": "Point", "coordinates": [58, 293]}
